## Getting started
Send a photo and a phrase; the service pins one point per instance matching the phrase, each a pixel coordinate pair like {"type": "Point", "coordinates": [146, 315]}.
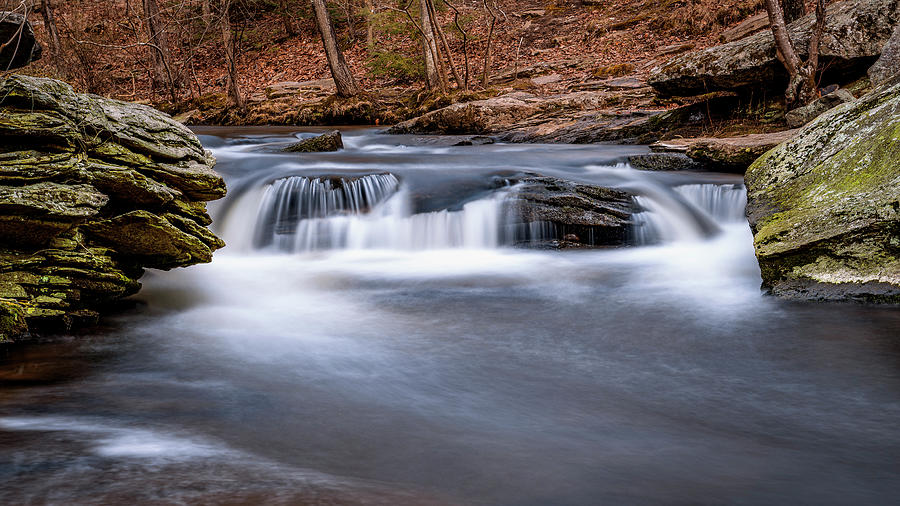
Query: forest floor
{"type": "Point", "coordinates": [540, 47]}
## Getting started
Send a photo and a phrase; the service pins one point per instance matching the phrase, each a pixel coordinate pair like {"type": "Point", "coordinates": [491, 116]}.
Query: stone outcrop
{"type": "Point", "coordinates": [888, 64]}
{"type": "Point", "coordinates": [727, 154]}
{"type": "Point", "coordinates": [556, 213]}
{"type": "Point", "coordinates": [825, 206]}
{"type": "Point", "coordinates": [92, 191]}
{"type": "Point", "coordinates": [17, 38]}
{"type": "Point", "coordinates": [803, 115]}
{"type": "Point", "coordinates": [329, 141]}
{"type": "Point", "coordinates": [855, 34]}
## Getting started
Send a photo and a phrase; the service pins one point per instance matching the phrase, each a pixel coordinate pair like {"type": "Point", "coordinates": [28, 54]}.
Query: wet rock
{"type": "Point", "coordinates": [803, 115]}
{"type": "Point", "coordinates": [17, 37]}
{"type": "Point", "coordinates": [888, 64]}
{"type": "Point", "coordinates": [727, 154]}
{"type": "Point", "coordinates": [476, 140]}
{"type": "Point", "coordinates": [557, 213]}
{"type": "Point", "coordinates": [92, 191]}
{"type": "Point", "coordinates": [330, 141]}
{"type": "Point", "coordinates": [664, 161]}
{"type": "Point", "coordinates": [825, 206]}
{"type": "Point", "coordinates": [854, 36]}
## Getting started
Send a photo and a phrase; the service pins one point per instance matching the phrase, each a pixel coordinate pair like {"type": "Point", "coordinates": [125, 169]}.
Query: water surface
{"type": "Point", "coordinates": [432, 363]}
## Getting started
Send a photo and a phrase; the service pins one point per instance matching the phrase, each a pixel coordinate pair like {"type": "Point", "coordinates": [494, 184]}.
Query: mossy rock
{"type": "Point", "coordinates": [825, 206]}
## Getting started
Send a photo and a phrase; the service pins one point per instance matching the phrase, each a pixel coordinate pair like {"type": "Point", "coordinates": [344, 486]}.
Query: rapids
{"type": "Point", "coordinates": [370, 335]}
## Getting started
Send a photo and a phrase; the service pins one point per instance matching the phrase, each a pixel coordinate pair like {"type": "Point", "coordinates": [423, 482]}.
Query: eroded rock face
{"type": "Point", "coordinates": [855, 33]}
{"type": "Point", "coordinates": [92, 191]}
{"type": "Point", "coordinates": [17, 37]}
{"type": "Point", "coordinates": [825, 206]}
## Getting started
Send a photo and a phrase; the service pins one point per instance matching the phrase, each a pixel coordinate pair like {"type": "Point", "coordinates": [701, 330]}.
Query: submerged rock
{"type": "Point", "coordinates": [855, 32]}
{"type": "Point", "coordinates": [329, 141]}
{"type": "Point", "coordinates": [92, 191]}
{"type": "Point", "coordinates": [825, 206]}
{"type": "Point", "coordinates": [17, 38]}
{"type": "Point", "coordinates": [550, 212]}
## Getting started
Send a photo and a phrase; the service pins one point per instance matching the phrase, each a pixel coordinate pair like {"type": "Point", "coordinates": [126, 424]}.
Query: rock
{"type": "Point", "coordinates": [545, 80]}
{"type": "Point", "coordinates": [746, 27]}
{"type": "Point", "coordinates": [888, 65]}
{"type": "Point", "coordinates": [825, 206]}
{"type": "Point", "coordinates": [187, 117]}
{"type": "Point", "coordinates": [329, 141]}
{"type": "Point", "coordinates": [855, 33]}
{"type": "Point", "coordinates": [287, 88]}
{"type": "Point", "coordinates": [676, 48]}
{"type": "Point", "coordinates": [557, 213]}
{"type": "Point", "coordinates": [92, 191]}
{"type": "Point", "coordinates": [476, 140]}
{"type": "Point", "coordinates": [727, 154]}
{"type": "Point", "coordinates": [803, 115]}
{"type": "Point", "coordinates": [664, 161]}
{"type": "Point", "coordinates": [20, 48]}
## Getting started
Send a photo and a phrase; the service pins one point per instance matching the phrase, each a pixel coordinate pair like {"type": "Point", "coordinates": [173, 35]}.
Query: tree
{"type": "Point", "coordinates": [289, 27]}
{"type": "Point", "coordinates": [430, 50]}
{"type": "Point", "coordinates": [793, 10]}
{"type": "Point", "coordinates": [343, 80]}
{"type": "Point", "coordinates": [158, 44]}
{"type": "Point", "coordinates": [50, 26]}
{"type": "Point", "coordinates": [802, 87]}
{"type": "Point", "coordinates": [231, 75]}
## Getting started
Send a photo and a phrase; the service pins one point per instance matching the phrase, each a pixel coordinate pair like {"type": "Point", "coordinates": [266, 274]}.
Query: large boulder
{"type": "Point", "coordinates": [855, 33]}
{"type": "Point", "coordinates": [888, 65]}
{"type": "Point", "coordinates": [92, 191]}
{"type": "Point", "coordinates": [17, 39]}
{"type": "Point", "coordinates": [550, 212]}
{"type": "Point", "coordinates": [726, 154]}
{"type": "Point", "coordinates": [825, 206]}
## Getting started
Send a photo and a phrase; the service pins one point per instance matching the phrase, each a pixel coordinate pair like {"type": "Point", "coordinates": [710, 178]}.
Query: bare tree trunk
{"type": "Point", "coordinates": [343, 79]}
{"type": "Point", "coordinates": [231, 75]}
{"type": "Point", "coordinates": [429, 47]}
{"type": "Point", "coordinates": [793, 10]}
{"type": "Point", "coordinates": [440, 31]}
{"type": "Point", "coordinates": [159, 48]}
{"type": "Point", "coordinates": [286, 18]}
{"type": "Point", "coordinates": [50, 25]}
{"type": "Point", "coordinates": [486, 75]}
{"type": "Point", "coordinates": [465, 37]}
{"type": "Point", "coordinates": [802, 86]}
{"type": "Point", "coordinates": [370, 26]}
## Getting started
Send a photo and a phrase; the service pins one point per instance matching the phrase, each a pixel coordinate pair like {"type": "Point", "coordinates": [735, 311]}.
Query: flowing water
{"type": "Point", "coordinates": [371, 336]}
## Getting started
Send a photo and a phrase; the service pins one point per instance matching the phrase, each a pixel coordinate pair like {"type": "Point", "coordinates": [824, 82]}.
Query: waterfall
{"type": "Point", "coordinates": [688, 213]}
{"type": "Point", "coordinates": [725, 203]}
{"type": "Point", "coordinates": [302, 214]}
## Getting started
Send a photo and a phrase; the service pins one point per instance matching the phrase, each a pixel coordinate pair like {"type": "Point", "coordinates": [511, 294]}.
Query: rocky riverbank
{"type": "Point", "coordinates": [92, 191]}
{"type": "Point", "coordinates": [825, 206]}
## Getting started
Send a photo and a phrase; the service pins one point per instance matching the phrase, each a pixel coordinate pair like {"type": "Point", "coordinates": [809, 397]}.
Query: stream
{"type": "Point", "coordinates": [371, 335]}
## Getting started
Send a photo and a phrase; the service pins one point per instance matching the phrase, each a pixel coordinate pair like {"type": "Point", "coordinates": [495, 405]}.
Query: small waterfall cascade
{"type": "Point", "coordinates": [302, 214]}
{"type": "Point", "coordinates": [688, 212]}
{"type": "Point", "coordinates": [724, 203]}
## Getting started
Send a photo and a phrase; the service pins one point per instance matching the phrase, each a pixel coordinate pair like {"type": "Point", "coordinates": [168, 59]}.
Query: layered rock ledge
{"type": "Point", "coordinates": [92, 192]}
{"type": "Point", "coordinates": [825, 206]}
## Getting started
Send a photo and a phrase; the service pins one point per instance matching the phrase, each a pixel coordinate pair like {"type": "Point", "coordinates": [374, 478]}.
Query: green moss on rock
{"type": "Point", "coordinates": [825, 206]}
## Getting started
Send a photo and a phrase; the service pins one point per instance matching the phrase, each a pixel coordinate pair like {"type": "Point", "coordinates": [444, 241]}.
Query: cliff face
{"type": "Point", "coordinates": [92, 191]}
{"type": "Point", "coordinates": [825, 206]}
